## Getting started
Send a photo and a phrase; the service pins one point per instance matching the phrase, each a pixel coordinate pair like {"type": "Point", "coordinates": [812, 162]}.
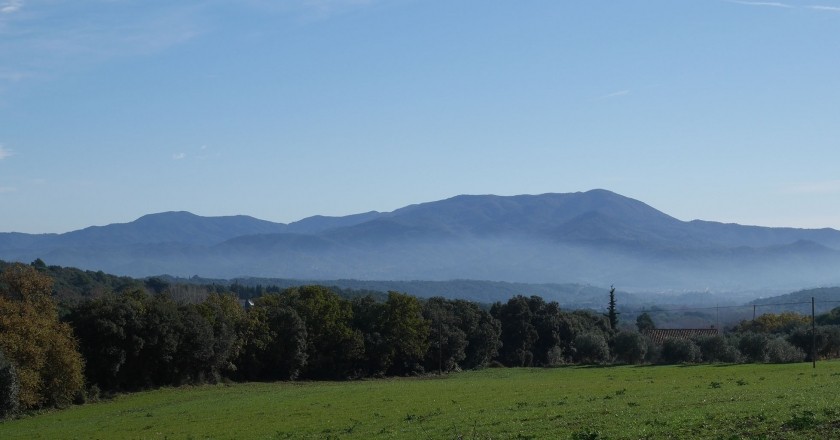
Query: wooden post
{"type": "Point", "coordinates": [813, 336]}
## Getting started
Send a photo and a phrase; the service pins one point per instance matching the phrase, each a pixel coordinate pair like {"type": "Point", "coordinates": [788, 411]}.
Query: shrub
{"type": "Point", "coordinates": [630, 347]}
{"type": "Point", "coordinates": [780, 351]}
{"type": "Point", "coordinates": [717, 349]}
{"type": "Point", "coordinates": [591, 348]}
{"type": "Point", "coordinates": [754, 347]}
{"type": "Point", "coordinates": [679, 351]}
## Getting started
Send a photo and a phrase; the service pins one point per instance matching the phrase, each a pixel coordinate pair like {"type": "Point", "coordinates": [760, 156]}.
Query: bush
{"type": "Point", "coordinates": [630, 347]}
{"type": "Point", "coordinates": [780, 351]}
{"type": "Point", "coordinates": [591, 348]}
{"type": "Point", "coordinates": [754, 347]}
{"type": "Point", "coordinates": [9, 388]}
{"type": "Point", "coordinates": [680, 351]}
{"type": "Point", "coordinates": [717, 349]}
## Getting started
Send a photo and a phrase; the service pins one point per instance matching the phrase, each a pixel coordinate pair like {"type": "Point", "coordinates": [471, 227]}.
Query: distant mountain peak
{"type": "Point", "coordinates": [597, 236]}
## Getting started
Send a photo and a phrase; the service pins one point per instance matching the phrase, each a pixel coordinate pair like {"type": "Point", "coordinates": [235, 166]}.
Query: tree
{"type": "Point", "coordinates": [754, 346]}
{"type": "Point", "coordinates": [482, 332]}
{"type": "Point", "coordinates": [227, 319]}
{"type": "Point", "coordinates": [40, 347]}
{"type": "Point", "coordinates": [369, 319]}
{"type": "Point", "coordinates": [780, 351]}
{"type": "Point", "coordinates": [629, 347]}
{"type": "Point", "coordinates": [407, 333]}
{"type": "Point", "coordinates": [110, 332]}
{"type": "Point", "coordinates": [591, 347]}
{"type": "Point", "coordinates": [275, 340]}
{"type": "Point", "coordinates": [194, 358]}
{"type": "Point", "coordinates": [518, 332]}
{"type": "Point", "coordinates": [678, 350]}
{"type": "Point", "coordinates": [645, 323]}
{"type": "Point", "coordinates": [9, 387]}
{"type": "Point", "coordinates": [447, 341]}
{"type": "Point", "coordinates": [334, 348]}
{"type": "Point", "coordinates": [612, 313]}
{"type": "Point", "coordinates": [717, 349]}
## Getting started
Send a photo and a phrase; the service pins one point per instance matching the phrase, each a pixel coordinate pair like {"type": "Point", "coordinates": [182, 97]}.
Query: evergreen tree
{"type": "Point", "coordinates": [612, 314]}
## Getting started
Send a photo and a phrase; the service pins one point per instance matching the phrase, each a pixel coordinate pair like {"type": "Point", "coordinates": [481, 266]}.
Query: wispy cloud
{"type": "Point", "coordinates": [7, 189]}
{"type": "Point", "coordinates": [824, 187]}
{"type": "Point", "coordinates": [179, 156]}
{"type": "Point", "coordinates": [5, 152]}
{"type": "Point", "coordinates": [10, 6]}
{"type": "Point", "coordinates": [786, 5]}
{"type": "Point", "coordinates": [333, 5]}
{"type": "Point", "coordinates": [770, 4]}
{"type": "Point", "coordinates": [824, 8]}
{"type": "Point", "coordinates": [614, 94]}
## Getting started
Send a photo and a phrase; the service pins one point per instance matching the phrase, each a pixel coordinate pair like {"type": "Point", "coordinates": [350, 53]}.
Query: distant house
{"type": "Point", "coordinates": [246, 303]}
{"type": "Point", "coordinates": [658, 336]}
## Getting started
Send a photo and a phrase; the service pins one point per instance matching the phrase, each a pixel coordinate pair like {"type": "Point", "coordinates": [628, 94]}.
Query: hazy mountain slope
{"type": "Point", "coordinates": [594, 237]}
{"type": "Point", "coordinates": [320, 223]}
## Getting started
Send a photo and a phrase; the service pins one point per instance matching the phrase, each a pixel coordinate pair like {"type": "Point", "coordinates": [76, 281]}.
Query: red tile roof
{"type": "Point", "coordinates": [658, 336]}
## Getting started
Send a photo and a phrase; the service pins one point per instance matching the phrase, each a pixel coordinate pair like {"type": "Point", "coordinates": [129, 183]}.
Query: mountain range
{"type": "Point", "coordinates": [595, 237]}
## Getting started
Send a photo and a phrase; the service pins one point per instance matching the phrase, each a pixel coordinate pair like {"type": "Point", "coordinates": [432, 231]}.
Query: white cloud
{"type": "Point", "coordinates": [10, 6]}
{"type": "Point", "coordinates": [5, 152]}
{"type": "Point", "coordinates": [179, 156]}
{"type": "Point", "coordinates": [7, 189]}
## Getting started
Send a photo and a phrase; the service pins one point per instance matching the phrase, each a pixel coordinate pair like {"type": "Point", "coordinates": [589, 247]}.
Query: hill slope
{"type": "Point", "coordinates": [596, 237]}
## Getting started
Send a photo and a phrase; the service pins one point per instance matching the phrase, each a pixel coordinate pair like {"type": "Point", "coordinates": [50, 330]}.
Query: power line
{"type": "Point", "coordinates": [691, 309]}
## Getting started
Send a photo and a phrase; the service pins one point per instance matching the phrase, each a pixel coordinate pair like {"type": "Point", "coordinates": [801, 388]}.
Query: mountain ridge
{"type": "Point", "coordinates": [596, 236]}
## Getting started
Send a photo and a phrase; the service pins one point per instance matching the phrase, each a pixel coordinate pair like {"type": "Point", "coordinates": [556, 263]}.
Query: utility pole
{"type": "Point", "coordinates": [440, 346]}
{"type": "Point", "coordinates": [813, 336]}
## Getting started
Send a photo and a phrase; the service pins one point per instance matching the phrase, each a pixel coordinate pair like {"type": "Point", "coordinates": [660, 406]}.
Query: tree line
{"type": "Point", "coordinates": [141, 337]}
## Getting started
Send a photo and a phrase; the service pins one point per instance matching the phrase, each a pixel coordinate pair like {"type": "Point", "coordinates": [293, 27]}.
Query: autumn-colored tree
{"type": "Point", "coordinates": [40, 347]}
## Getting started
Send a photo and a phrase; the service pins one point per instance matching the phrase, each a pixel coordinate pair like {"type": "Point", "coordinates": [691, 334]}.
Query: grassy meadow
{"type": "Point", "coordinates": [625, 402]}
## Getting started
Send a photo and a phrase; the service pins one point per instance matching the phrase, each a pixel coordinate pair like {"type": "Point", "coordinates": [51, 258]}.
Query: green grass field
{"type": "Point", "coordinates": [629, 402]}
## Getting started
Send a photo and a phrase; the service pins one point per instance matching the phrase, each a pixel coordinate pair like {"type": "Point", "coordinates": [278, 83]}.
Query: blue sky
{"type": "Point", "coordinates": [711, 109]}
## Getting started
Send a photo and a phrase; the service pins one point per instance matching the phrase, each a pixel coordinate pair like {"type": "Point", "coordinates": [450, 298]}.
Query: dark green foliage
{"type": "Point", "coordinates": [482, 332]}
{"type": "Point", "coordinates": [447, 341]}
{"type": "Point", "coordinates": [717, 349]}
{"type": "Point", "coordinates": [591, 348]}
{"type": "Point", "coordinates": [227, 319]}
{"type": "Point", "coordinates": [830, 318]}
{"type": "Point", "coordinates": [676, 351]}
{"type": "Point", "coordinates": [644, 323]}
{"type": "Point", "coordinates": [462, 335]}
{"type": "Point", "coordinates": [194, 356]}
{"type": "Point", "coordinates": [827, 340]}
{"type": "Point", "coordinates": [161, 334]}
{"type": "Point", "coordinates": [780, 351]}
{"type": "Point", "coordinates": [548, 320]}
{"type": "Point", "coordinates": [629, 347]}
{"type": "Point", "coordinates": [110, 331]}
{"type": "Point", "coordinates": [406, 332]}
{"type": "Point", "coordinates": [368, 318]}
{"type": "Point", "coordinates": [9, 387]}
{"type": "Point", "coordinates": [612, 313]}
{"type": "Point", "coordinates": [753, 346]}
{"type": "Point", "coordinates": [518, 331]}
{"type": "Point", "coordinates": [275, 342]}
{"type": "Point", "coordinates": [334, 349]}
